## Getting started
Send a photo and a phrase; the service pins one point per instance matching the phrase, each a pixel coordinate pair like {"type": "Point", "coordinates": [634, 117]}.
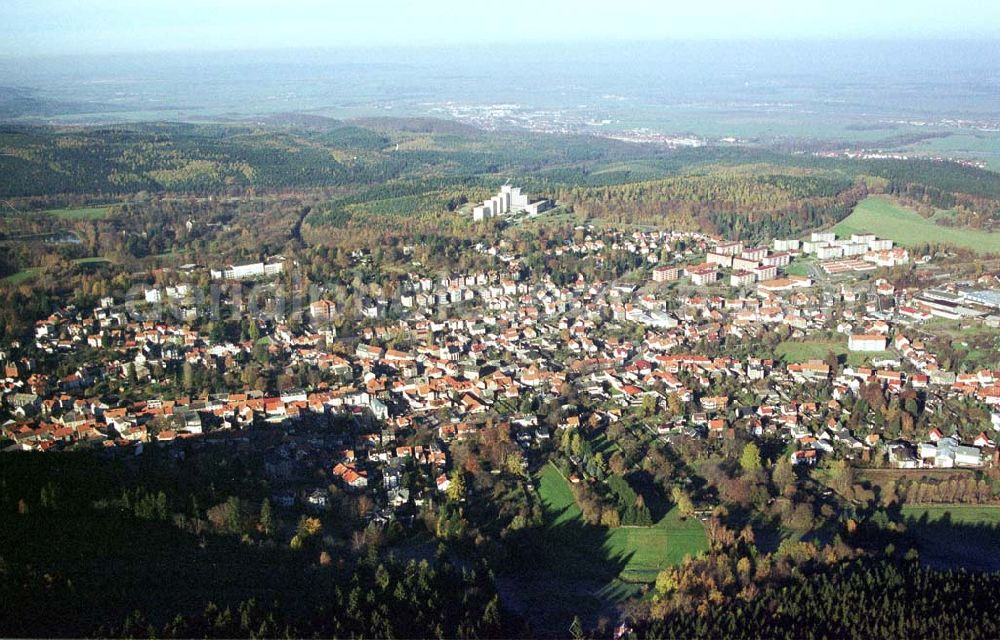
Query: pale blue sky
{"type": "Point", "coordinates": [30, 27]}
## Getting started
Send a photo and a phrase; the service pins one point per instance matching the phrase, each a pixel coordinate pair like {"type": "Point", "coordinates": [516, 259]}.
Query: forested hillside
{"type": "Point", "coordinates": [93, 546]}
{"type": "Point", "coordinates": [729, 203]}
{"type": "Point", "coordinates": [861, 599]}
{"type": "Point", "coordinates": [38, 161]}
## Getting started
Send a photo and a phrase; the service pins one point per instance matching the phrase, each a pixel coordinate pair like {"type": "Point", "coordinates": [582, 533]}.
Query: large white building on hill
{"type": "Point", "coordinates": [272, 267]}
{"type": "Point", "coordinates": [508, 200]}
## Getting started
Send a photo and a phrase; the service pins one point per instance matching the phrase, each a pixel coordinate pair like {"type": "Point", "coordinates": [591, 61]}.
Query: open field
{"type": "Point", "coordinates": [21, 276]}
{"type": "Point", "coordinates": [26, 274]}
{"type": "Point", "coordinates": [952, 536]}
{"type": "Point", "coordinates": [573, 568]}
{"type": "Point", "coordinates": [810, 349]}
{"type": "Point", "coordinates": [799, 268]}
{"type": "Point", "coordinates": [651, 549]}
{"type": "Point", "coordinates": [886, 219]}
{"type": "Point", "coordinates": [977, 345]}
{"type": "Point", "coordinates": [972, 146]}
{"type": "Point", "coordinates": [818, 348]}
{"type": "Point", "coordinates": [82, 213]}
{"type": "Point", "coordinates": [960, 513]}
{"type": "Point", "coordinates": [957, 329]}
{"type": "Point", "coordinates": [947, 536]}
{"type": "Point", "coordinates": [644, 550]}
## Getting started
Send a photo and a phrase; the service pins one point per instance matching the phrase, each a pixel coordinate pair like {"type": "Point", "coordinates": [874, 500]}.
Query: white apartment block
{"type": "Point", "coordinates": [508, 200]}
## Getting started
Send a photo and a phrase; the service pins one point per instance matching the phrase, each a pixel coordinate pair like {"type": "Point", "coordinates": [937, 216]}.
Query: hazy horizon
{"type": "Point", "coordinates": [853, 74]}
{"type": "Point", "coordinates": [47, 27]}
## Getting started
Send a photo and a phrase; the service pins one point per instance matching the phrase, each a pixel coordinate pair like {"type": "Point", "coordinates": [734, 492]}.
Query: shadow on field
{"type": "Point", "coordinates": [944, 543]}
{"type": "Point", "coordinates": [565, 569]}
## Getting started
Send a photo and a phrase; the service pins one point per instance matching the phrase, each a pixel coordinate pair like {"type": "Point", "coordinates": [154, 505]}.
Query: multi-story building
{"type": "Point", "coordinates": [721, 259]}
{"type": "Point", "coordinates": [741, 278]}
{"type": "Point", "coordinates": [666, 274]}
{"type": "Point", "coordinates": [322, 311]}
{"type": "Point", "coordinates": [508, 200]}
{"type": "Point", "coordinates": [704, 276]}
{"type": "Point", "coordinates": [765, 272]}
{"type": "Point", "coordinates": [729, 248]}
{"type": "Point", "coordinates": [829, 252]}
{"type": "Point", "coordinates": [866, 342]}
{"type": "Point", "coordinates": [777, 260]}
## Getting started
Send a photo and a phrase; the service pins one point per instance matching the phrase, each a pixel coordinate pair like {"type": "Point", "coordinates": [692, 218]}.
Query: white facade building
{"type": "Point", "coordinates": [246, 271]}
{"type": "Point", "coordinates": [508, 200]}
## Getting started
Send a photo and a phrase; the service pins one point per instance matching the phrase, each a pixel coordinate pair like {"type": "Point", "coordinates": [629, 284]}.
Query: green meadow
{"type": "Point", "coordinates": [810, 350]}
{"type": "Point", "coordinates": [953, 536]}
{"type": "Point", "coordinates": [958, 513]}
{"type": "Point", "coordinates": [887, 219]}
{"type": "Point", "coordinates": [27, 274]}
{"type": "Point", "coordinates": [819, 348]}
{"type": "Point", "coordinates": [80, 213]}
{"type": "Point", "coordinates": [645, 551]}
{"type": "Point", "coordinates": [21, 276]}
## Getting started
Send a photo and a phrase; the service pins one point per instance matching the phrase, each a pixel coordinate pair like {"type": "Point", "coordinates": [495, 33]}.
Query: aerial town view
{"type": "Point", "coordinates": [320, 321]}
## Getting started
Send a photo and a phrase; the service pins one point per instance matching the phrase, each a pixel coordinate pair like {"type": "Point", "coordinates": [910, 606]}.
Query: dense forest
{"type": "Point", "coordinates": [730, 203]}
{"type": "Point", "coordinates": [41, 161]}
{"type": "Point", "coordinates": [163, 546]}
{"type": "Point", "coordinates": [110, 547]}
{"type": "Point", "coordinates": [429, 155]}
{"type": "Point", "coordinates": [859, 599]}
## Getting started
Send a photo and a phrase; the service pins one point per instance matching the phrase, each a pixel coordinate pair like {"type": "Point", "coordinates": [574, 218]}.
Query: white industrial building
{"type": "Point", "coordinates": [246, 271]}
{"type": "Point", "coordinates": [508, 200]}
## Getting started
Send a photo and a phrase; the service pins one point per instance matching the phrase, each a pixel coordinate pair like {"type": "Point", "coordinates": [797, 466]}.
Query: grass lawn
{"type": "Point", "coordinates": [27, 274]}
{"type": "Point", "coordinates": [578, 569]}
{"type": "Point", "coordinates": [21, 276]}
{"type": "Point", "coordinates": [818, 348]}
{"type": "Point", "coordinates": [651, 549]}
{"type": "Point", "coordinates": [601, 444]}
{"type": "Point", "coordinates": [642, 551]}
{"type": "Point", "coordinates": [950, 536]}
{"type": "Point", "coordinates": [557, 496]}
{"type": "Point", "coordinates": [958, 330]}
{"type": "Point", "coordinates": [865, 358]}
{"type": "Point", "coordinates": [82, 213]}
{"type": "Point", "coordinates": [977, 345]}
{"type": "Point", "coordinates": [961, 513]}
{"type": "Point", "coordinates": [798, 268]}
{"type": "Point", "coordinates": [886, 219]}
{"type": "Point", "coordinates": [806, 350]}
{"type": "Point", "coordinates": [556, 215]}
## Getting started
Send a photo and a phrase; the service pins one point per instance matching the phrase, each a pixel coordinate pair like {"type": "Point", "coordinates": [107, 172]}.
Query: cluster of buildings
{"type": "Point", "coordinates": [272, 267]}
{"type": "Point", "coordinates": [964, 303]}
{"type": "Point", "coordinates": [745, 266]}
{"type": "Point", "coordinates": [509, 200]}
{"type": "Point", "coordinates": [435, 359]}
{"type": "Point", "coordinates": [859, 252]}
